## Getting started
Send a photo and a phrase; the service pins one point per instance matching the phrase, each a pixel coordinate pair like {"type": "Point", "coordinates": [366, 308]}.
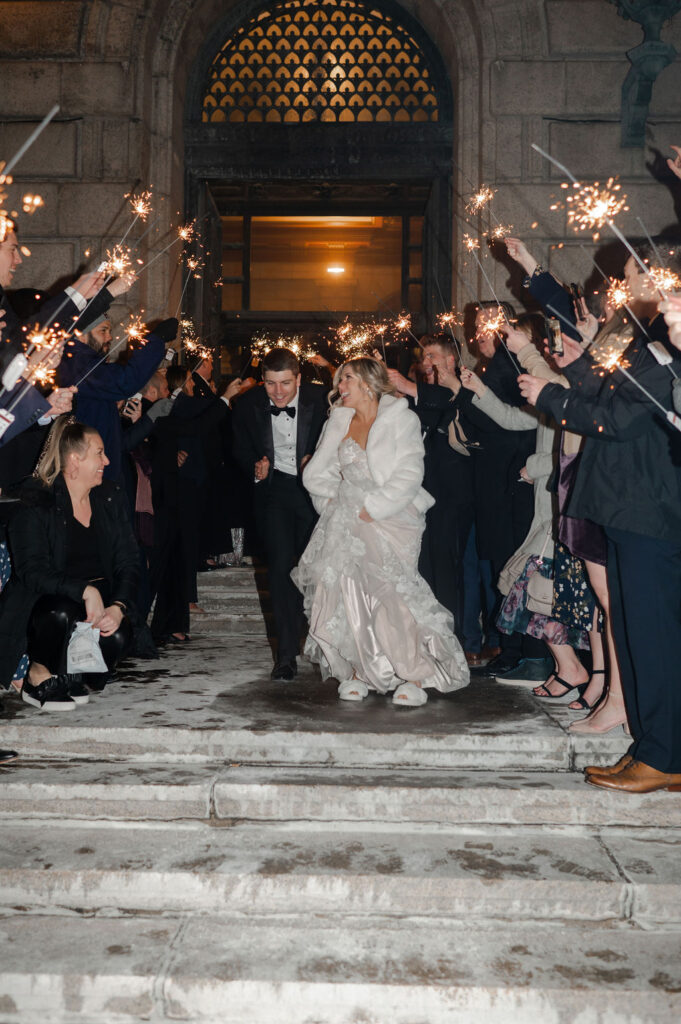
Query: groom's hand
{"type": "Point", "coordinates": [262, 468]}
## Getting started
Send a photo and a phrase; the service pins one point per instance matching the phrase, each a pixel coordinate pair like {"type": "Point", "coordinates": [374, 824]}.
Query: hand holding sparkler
{"type": "Point", "coordinates": [519, 252]}
{"type": "Point", "coordinates": [516, 340]}
{"type": "Point", "coordinates": [61, 400]}
{"type": "Point", "coordinates": [262, 468]}
{"type": "Point", "coordinates": [122, 284]}
{"type": "Point", "coordinates": [233, 389]}
{"type": "Point", "coordinates": [671, 308]}
{"type": "Point", "coordinates": [674, 163]}
{"type": "Point", "coordinates": [400, 383]}
{"type": "Point", "coordinates": [472, 382]}
{"type": "Point", "coordinates": [531, 387]}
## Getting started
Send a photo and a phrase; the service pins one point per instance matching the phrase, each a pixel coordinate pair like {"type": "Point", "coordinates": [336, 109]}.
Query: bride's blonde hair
{"type": "Point", "coordinates": [372, 374]}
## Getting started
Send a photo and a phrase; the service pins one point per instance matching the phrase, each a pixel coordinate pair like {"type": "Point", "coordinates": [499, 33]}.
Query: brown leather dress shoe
{"type": "Point", "coordinates": [637, 777]}
{"type": "Point", "coordinates": [612, 769]}
{"type": "Point", "coordinates": [475, 659]}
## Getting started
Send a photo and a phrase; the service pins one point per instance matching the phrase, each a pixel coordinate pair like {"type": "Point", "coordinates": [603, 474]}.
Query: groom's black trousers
{"type": "Point", "coordinates": [286, 519]}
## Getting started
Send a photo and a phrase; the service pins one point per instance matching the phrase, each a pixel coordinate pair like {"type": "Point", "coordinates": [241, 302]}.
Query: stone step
{"type": "Point", "coordinates": [220, 623]}
{"type": "Point", "coordinates": [213, 700]}
{"type": "Point", "coordinates": [233, 970]}
{"type": "Point", "coordinates": [527, 874]}
{"type": "Point", "coordinates": [450, 799]}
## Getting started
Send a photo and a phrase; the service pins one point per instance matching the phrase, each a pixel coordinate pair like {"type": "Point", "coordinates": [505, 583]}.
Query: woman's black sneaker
{"type": "Point", "coordinates": [76, 689]}
{"type": "Point", "coordinates": [50, 695]}
{"type": "Point", "coordinates": [96, 681]}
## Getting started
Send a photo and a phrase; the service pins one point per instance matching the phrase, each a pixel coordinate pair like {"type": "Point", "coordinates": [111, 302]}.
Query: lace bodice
{"type": "Point", "coordinates": [354, 465]}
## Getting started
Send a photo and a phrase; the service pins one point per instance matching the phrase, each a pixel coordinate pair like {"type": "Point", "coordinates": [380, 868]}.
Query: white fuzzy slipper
{"type": "Point", "coordinates": [353, 689]}
{"type": "Point", "coordinates": [409, 695]}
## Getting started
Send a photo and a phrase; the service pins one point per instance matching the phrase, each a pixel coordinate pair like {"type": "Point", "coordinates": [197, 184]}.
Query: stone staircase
{"type": "Point", "coordinates": [203, 845]}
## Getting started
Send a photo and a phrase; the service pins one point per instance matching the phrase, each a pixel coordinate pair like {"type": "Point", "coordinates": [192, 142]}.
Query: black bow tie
{"type": "Point", "coordinates": [288, 409]}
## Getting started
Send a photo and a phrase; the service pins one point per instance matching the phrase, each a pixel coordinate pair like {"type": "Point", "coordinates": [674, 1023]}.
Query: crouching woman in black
{"type": "Point", "coordinates": [74, 559]}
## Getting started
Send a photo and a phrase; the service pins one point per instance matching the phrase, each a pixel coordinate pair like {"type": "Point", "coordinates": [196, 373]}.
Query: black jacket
{"type": "Point", "coordinates": [448, 475]}
{"type": "Point", "coordinates": [252, 424]}
{"type": "Point", "coordinates": [37, 543]}
{"type": "Point", "coordinates": [629, 476]}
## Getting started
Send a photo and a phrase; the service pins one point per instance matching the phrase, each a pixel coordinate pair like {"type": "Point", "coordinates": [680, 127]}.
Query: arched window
{"type": "Point", "coordinates": [328, 61]}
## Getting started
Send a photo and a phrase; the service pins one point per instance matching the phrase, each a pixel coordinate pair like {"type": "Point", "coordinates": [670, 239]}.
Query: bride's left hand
{"type": "Point", "coordinates": [365, 517]}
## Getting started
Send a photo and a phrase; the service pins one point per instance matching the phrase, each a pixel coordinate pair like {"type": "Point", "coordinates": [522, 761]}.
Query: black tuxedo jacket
{"type": "Point", "coordinates": [252, 424]}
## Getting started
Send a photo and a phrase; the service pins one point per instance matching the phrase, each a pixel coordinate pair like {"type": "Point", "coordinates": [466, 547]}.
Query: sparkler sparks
{"type": "Point", "coordinates": [118, 262]}
{"type": "Point", "coordinates": [664, 279]}
{"type": "Point", "coordinates": [186, 231]}
{"type": "Point", "coordinates": [479, 200]}
{"type": "Point", "coordinates": [194, 264]}
{"type": "Point", "coordinates": [470, 243]}
{"type": "Point", "coordinates": [493, 322]}
{"type": "Point", "coordinates": [136, 329]}
{"type": "Point", "coordinates": [618, 294]}
{"type": "Point", "coordinates": [141, 204]}
{"type": "Point", "coordinates": [500, 232]}
{"type": "Point", "coordinates": [449, 320]}
{"type": "Point", "coordinates": [6, 225]}
{"type": "Point", "coordinates": [403, 322]}
{"type": "Point", "coordinates": [30, 203]}
{"type": "Point", "coordinates": [590, 207]}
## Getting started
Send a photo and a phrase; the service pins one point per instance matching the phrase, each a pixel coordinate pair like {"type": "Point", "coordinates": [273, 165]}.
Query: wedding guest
{"type": "Point", "coordinates": [629, 481]}
{"type": "Point", "coordinates": [102, 384]}
{"type": "Point", "coordinates": [74, 559]}
{"type": "Point", "coordinates": [448, 473]}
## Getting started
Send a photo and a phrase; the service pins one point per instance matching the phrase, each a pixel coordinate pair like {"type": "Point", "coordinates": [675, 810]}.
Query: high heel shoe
{"type": "Point", "coordinates": [582, 704]}
{"type": "Point", "coordinates": [579, 687]}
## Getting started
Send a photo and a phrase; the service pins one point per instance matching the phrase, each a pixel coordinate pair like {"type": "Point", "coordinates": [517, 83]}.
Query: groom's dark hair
{"type": "Point", "coordinates": [279, 359]}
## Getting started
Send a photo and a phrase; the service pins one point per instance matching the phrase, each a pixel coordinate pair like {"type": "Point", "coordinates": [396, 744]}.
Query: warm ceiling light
{"type": "Point", "coordinates": [335, 270]}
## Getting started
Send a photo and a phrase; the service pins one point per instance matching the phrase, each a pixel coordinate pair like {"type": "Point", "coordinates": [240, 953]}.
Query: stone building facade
{"type": "Point", "coordinates": [521, 71]}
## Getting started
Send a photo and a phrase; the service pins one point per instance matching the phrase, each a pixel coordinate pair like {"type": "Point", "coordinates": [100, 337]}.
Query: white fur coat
{"type": "Point", "coordinates": [394, 456]}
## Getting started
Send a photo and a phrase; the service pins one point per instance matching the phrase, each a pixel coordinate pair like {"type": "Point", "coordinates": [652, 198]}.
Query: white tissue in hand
{"type": "Point", "coordinates": [84, 653]}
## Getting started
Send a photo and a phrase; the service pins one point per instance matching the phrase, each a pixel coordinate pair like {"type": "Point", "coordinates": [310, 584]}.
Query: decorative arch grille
{"type": "Point", "coordinates": [333, 61]}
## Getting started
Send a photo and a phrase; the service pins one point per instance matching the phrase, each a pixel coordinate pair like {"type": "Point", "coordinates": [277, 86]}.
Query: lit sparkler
{"type": "Point", "coordinates": [479, 200]}
{"type": "Point", "coordinates": [118, 261]}
{"type": "Point", "coordinates": [500, 232]}
{"type": "Point", "coordinates": [141, 205]}
{"type": "Point", "coordinates": [664, 280]}
{"type": "Point", "coordinates": [493, 322]}
{"type": "Point", "coordinates": [618, 294]}
{"type": "Point", "coordinates": [136, 330]}
{"type": "Point", "coordinates": [470, 243]}
{"type": "Point", "coordinates": [186, 231]}
{"type": "Point", "coordinates": [449, 320]}
{"type": "Point", "coordinates": [403, 322]}
{"type": "Point", "coordinates": [591, 207]}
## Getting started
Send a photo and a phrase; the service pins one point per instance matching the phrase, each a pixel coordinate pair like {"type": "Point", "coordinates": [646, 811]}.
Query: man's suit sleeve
{"type": "Point", "coordinates": [242, 444]}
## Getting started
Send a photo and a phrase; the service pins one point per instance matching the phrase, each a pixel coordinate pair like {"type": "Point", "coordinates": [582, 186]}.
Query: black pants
{"type": "Point", "coordinates": [644, 580]}
{"type": "Point", "coordinates": [50, 628]}
{"type": "Point", "coordinates": [286, 520]}
{"type": "Point", "coordinates": [174, 560]}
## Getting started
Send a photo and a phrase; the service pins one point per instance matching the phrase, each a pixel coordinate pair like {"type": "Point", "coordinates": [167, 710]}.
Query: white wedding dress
{"type": "Point", "coordinates": [370, 613]}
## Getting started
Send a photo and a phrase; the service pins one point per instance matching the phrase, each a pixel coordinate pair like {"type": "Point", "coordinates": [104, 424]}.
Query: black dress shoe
{"type": "Point", "coordinates": [284, 671]}
{"type": "Point", "coordinates": [8, 755]}
{"type": "Point", "coordinates": [497, 666]}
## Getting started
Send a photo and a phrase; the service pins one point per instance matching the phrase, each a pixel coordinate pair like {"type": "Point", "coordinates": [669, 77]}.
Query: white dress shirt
{"type": "Point", "coordinates": [285, 436]}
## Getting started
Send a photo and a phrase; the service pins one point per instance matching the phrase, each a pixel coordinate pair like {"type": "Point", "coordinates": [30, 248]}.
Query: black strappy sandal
{"type": "Point", "coordinates": [584, 704]}
{"type": "Point", "coordinates": [580, 687]}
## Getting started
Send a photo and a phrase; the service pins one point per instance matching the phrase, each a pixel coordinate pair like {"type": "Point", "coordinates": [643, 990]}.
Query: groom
{"type": "Point", "coordinates": [276, 428]}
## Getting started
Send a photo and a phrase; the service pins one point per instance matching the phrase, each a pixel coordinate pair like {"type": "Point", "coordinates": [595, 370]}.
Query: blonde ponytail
{"type": "Point", "coordinates": [66, 436]}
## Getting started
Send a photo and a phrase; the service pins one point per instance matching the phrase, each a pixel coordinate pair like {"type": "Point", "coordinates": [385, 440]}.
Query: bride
{"type": "Point", "coordinates": [374, 622]}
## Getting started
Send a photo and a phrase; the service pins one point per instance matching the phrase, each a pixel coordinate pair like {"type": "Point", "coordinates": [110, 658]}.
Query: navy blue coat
{"type": "Point", "coordinates": [108, 384]}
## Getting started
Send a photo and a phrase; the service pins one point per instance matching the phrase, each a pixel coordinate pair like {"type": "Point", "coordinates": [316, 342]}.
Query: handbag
{"type": "Point", "coordinates": [540, 587]}
{"type": "Point", "coordinates": [84, 653]}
